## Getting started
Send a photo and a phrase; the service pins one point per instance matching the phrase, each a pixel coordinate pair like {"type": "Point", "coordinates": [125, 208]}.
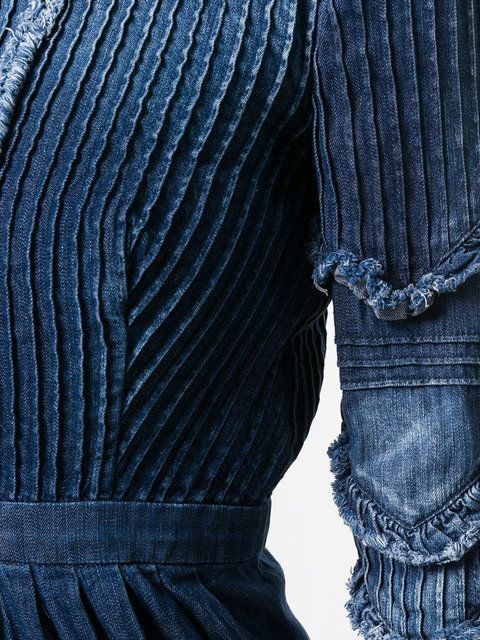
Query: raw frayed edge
{"type": "Point", "coordinates": [35, 23]}
{"type": "Point", "coordinates": [365, 619]}
{"type": "Point", "coordinates": [364, 277]}
{"type": "Point", "coordinates": [361, 613]}
{"type": "Point", "coordinates": [442, 538]}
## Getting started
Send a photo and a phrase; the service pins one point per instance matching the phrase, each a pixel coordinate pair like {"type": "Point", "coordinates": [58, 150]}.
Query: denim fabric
{"type": "Point", "coordinates": [161, 340]}
{"type": "Point", "coordinates": [184, 187]}
{"type": "Point", "coordinates": [396, 245]}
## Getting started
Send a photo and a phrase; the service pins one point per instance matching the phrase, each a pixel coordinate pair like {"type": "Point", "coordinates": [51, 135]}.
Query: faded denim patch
{"type": "Point", "coordinates": [407, 482]}
{"type": "Point", "coordinates": [414, 449]}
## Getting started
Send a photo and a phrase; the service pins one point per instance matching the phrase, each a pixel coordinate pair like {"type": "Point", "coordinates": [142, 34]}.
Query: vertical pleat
{"type": "Point", "coordinates": [42, 287]}
{"type": "Point", "coordinates": [397, 130]}
{"type": "Point", "coordinates": [340, 133]}
{"type": "Point", "coordinates": [68, 297]}
{"type": "Point", "coordinates": [364, 131]}
{"type": "Point", "coordinates": [156, 606]}
{"type": "Point", "coordinates": [26, 26]}
{"type": "Point", "coordinates": [20, 601]}
{"type": "Point", "coordinates": [118, 617]}
{"type": "Point", "coordinates": [426, 47]}
{"type": "Point", "coordinates": [59, 596]}
{"type": "Point", "coordinates": [419, 602]}
{"type": "Point", "coordinates": [115, 602]}
{"type": "Point", "coordinates": [385, 91]}
{"type": "Point", "coordinates": [329, 225]}
{"type": "Point", "coordinates": [403, 45]}
{"type": "Point", "coordinates": [446, 24]}
{"type": "Point", "coordinates": [467, 52]}
{"type": "Point", "coordinates": [91, 236]}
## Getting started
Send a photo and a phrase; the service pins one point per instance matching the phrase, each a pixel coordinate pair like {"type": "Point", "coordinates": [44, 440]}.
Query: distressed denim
{"type": "Point", "coordinates": [185, 186]}
{"type": "Point", "coordinates": [397, 245]}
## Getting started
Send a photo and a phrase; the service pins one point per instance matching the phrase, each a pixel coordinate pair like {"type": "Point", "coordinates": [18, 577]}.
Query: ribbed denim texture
{"type": "Point", "coordinates": [396, 244]}
{"type": "Point", "coordinates": [184, 187]}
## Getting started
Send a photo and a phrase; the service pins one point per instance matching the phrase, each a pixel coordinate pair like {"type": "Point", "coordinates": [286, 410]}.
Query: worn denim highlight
{"type": "Point", "coordinates": [443, 537]}
{"type": "Point", "coordinates": [397, 158]}
{"type": "Point", "coordinates": [18, 52]}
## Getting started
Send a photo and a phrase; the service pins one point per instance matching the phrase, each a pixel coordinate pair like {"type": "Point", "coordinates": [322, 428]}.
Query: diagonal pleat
{"type": "Point", "coordinates": [19, 51]}
{"type": "Point", "coordinates": [155, 605]}
{"type": "Point", "coordinates": [22, 605]}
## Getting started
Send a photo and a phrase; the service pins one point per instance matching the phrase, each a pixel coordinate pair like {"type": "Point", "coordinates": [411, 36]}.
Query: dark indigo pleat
{"type": "Point", "coordinates": [146, 601]}
{"type": "Point", "coordinates": [156, 186]}
{"type": "Point", "coordinates": [160, 336]}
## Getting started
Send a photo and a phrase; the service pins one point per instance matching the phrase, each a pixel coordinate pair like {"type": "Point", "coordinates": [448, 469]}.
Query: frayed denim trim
{"type": "Point", "coordinates": [34, 25]}
{"type": "Point", "coordinates": [365, 619]}
{"type": "Point", "coordinates": [364, 277]}
{"type": "Point", "coordinates": [443, 537]}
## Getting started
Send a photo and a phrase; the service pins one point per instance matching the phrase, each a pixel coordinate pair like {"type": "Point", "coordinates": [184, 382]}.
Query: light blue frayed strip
{"type": "Point", "coordinates": [34, 24]}
{"type": "Point", "coordinates": [364, 278]}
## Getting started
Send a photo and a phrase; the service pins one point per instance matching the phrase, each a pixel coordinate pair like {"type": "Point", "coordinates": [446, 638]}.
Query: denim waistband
{"type": "Point", "coordinates": [106, 532]}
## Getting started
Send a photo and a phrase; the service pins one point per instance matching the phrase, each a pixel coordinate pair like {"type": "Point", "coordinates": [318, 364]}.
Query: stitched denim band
{"type": "Point", "coordinates": [123, 532]}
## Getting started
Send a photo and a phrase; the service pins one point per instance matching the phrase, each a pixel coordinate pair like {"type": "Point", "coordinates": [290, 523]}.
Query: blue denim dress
{"type": "Point", "coordinates": [184, 187]}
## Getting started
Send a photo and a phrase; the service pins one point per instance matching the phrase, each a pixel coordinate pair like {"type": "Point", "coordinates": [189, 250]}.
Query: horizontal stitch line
{"type": "Point", "coordinates": [368, 384]}
{"type": "Point", "coordinates": [147, 503]}
{"type": "Point", "coordinates": [442, 339]}
{"type": "Point", "coordinates": [132, 563]}
{"type": "Point", "coordinates": [354, 364]}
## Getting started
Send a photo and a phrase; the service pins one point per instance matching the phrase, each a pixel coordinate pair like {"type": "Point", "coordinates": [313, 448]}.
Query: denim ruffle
{"type": "Point", "coordinates": [364, 277]}
{"type": "Point", "coordinates": [33, 27]}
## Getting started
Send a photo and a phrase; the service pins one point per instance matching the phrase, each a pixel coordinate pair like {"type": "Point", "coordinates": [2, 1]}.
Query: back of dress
{"type": "Point", "coordinates": [161, 339]}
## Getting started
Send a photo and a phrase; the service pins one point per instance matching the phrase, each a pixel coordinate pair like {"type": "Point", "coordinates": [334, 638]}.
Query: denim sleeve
{"type": "Point", "coordinates": [397, 244]}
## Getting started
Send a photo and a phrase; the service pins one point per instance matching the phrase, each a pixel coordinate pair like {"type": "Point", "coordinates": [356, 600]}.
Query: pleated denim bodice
{"type": "Point", "coordinates": [160, 336]}
{"type": "Point", "coordinates": [184, 186]}
{"type": "Point", "coordinates": [153, 201]}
